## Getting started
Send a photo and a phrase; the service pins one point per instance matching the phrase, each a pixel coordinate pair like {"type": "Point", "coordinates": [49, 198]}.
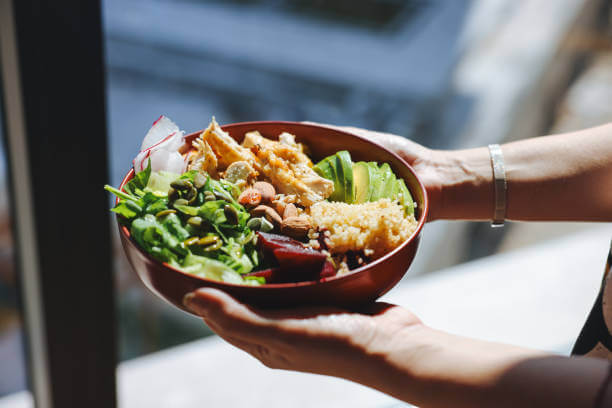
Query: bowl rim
{"type": "Point", "coordinates": [354, 274]}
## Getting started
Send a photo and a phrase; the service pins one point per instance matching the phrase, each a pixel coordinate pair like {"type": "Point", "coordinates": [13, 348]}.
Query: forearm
{"type": "Point", "coordinates": [435, 369]}
{"type": "Point", "coordinates": [561, 177]}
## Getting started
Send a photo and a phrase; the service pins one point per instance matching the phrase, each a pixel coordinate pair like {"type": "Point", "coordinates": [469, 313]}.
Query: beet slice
{"type": "Point", "coordinates": [269, 274]}
{"type": "Point", "coordinates": [327, 271]}
{"type": "Point", "coordinates": [299, 264]}
{"type": "Point", "coordinates": [271, 242]}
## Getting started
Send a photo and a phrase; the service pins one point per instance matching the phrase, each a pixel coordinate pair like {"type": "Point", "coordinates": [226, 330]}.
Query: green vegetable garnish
{"type": "Point", "coordinates": [190, 221]}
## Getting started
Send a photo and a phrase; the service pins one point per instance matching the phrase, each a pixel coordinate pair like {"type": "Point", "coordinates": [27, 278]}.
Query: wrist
{"type": "Point", "coordinates": [466, 184]}
{"type": "Point", "coordinates": [389, 361]}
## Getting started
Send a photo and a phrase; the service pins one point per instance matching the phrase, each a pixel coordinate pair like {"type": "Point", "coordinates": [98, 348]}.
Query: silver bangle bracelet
{"type": "Point", "coordinates": [500, 185]}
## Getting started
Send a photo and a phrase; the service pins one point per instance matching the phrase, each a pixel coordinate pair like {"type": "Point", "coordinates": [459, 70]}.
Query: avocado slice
{"type": "Point", "coordinates": [391, 187]}
{"type": "Point", "coordinates": [344, 172]}
{"type": "Point", "coordinates": [326, 168]}
{"type": "Point", "coordinates": [363, 178]}
{"type": "Point", "coordinates": [378, 184]}
{"type": "Point", "coordinates": [405, 197]}
{"type": "Point", "coordinates": [385, 174]}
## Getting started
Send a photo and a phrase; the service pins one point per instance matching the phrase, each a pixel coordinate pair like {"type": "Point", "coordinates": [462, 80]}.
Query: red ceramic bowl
{"type": "Point", "coordinates": [363, 285]}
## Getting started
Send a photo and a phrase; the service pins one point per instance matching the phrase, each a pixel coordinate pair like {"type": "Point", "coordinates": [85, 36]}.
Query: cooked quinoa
{"type": "Point", "coordinates": [374, 228]}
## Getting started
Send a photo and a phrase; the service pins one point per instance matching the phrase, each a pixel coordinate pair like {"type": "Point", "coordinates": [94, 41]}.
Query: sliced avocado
{"type": "Point", "coordinates": [344, 172]}
{"type": "Point", "coordinates": [326, 168]}
{"type": "Point", "coordinates": [405, 197]}
{"type": "Point", "coordinates": [363, 178]}
{"type": "Point", "coordinates": [385, 173]}
{"type": "Point", "coordinates": [378, 184]}
{"type": "Point", "coordinates": [391, 186]}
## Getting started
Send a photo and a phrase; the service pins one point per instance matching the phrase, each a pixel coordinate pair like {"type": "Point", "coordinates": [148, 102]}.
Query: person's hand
{"type": "Point", "coordinates": [317, 340]}
{"type": "Point", "coordinates": [427, 163]}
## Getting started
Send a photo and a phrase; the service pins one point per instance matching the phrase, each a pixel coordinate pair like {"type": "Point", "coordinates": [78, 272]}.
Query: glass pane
{"type": "Point", "coordinates": [12, 368]}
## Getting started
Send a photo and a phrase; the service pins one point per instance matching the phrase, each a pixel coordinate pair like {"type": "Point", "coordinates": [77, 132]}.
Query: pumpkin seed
{"type": "Point", "coordinates": [163, 213]}
{"type": "Point", "coordinates": [231, 214]}
{"type": "Point", "coordinates": [181, 184]}
{"type": "Point", "coordinates": [208, 240]}
{"type": "Point", "coordinates": [254, 224]}
{"type": "Point", "coordinates": [181, 201]}
{"type": "Point", "coordinates": [195, 221]}
{"type": "Point", "coordinates": [210, 243]}
{"type": "Point", "coordinates": [191, 195]}
{"type": "Point", "coordinates": [266, 226]}
{"type": "Point", "coordinates": [191, 241]}
{"type": "Point", "coordinates": [173, 194]}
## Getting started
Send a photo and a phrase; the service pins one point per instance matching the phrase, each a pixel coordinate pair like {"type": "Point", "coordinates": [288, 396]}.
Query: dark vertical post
{"type": "Point", "coordinates": [54, 99]}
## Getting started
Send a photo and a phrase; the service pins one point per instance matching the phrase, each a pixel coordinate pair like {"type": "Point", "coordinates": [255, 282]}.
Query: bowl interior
{"type": "Point", "coordinates": [321, 142]}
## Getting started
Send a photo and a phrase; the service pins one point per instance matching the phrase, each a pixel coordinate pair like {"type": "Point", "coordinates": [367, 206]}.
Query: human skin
{"type": "Point", "coordinates": [387, 347]}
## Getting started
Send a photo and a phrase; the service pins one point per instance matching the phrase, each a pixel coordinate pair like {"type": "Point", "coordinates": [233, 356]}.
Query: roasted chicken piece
{"type": "Point", "coordinates": [203, 158]}
{"type": "Point", "coordinates": [289, 170]}
{"type": "Point", "coordinates": [226, 149]}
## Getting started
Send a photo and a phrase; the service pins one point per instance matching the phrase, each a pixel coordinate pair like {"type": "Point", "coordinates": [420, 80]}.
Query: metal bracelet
{"type": "Point", "coordinates": [500, 185]}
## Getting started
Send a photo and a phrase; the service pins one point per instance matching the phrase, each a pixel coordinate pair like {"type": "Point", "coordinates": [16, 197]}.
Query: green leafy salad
{"type": "Point", "coordinates": [192, 222]}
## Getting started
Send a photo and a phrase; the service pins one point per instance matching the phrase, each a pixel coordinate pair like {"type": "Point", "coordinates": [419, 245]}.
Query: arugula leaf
{"type": "Point", "coordinates": [232, 188]}
{"type": "Point", "coordinates": [172, 223]}
{"type": "Point", "coordinates": [143, 176]}
{"type": "Point", "coordinates": [136, 185]}
{"type": "Point", "coordinates": [209, 209]}
{"type": "Point", "coordinates": [125, 211]}
{"type": "Point", "coordinates": [119, 193]}
{"type": "Point", "coordinates": [149, 233]}
{"type": "Point", "coordinates": [209, 268]}
{"type": "Point", "coordinates": [189, 175]}
{"type": "Point", "coordinates": [157, 206]}
{"type": "Point", "coordinates": [187, 209]}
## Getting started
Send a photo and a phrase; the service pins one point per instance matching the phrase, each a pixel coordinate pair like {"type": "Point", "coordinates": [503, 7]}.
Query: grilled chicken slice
{"type": "Point", "coordinates": [226, 149]}
{"type": "Point", "coordinates": [290, 172]}
{"type": "Point", "coordinates": [203, 158]}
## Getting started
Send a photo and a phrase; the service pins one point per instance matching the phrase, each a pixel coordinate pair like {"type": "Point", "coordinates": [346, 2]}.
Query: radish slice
{"type": "Point", "coordinates": [161, 145]}
{"type": "Point", "coordinates": [161, 128]}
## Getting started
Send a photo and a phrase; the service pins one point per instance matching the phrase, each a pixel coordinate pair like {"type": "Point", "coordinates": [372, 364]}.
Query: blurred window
{"type": "Point", "coordinates": [12, 366]}
{"type": "Point", "coordinates": [380, 64]}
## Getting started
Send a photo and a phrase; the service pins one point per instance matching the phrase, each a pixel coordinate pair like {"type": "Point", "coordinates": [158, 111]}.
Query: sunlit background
{"type": "Point", "coordinates": [447, 74]}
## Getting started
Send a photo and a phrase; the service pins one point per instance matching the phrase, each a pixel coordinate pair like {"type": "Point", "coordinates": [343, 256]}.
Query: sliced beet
{"type": "Point", "coordinates": [299, 264]}
{"type": "Point", "coordinates": [271, 242]}
{"type": "Point", "coordinates": [327, 271]}
{"type": "Point", "coordinates": [269, 274]}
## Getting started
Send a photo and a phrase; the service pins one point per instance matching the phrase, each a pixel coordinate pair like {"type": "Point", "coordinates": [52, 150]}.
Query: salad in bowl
{"type": "Point", "coordinates": [262, 209]}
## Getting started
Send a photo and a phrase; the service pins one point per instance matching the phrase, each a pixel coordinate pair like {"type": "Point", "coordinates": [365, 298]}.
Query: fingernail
{"type": "Point", "coordinates": [194, 304]}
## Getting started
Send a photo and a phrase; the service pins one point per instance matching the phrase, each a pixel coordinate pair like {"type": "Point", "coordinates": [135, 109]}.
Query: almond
{"type": "Point", "coordinates": [268, 213]}
{"type": "Point", "coordinates": [290, 211]}
{"type": "Point", "coordinates": [250, 197]}
{"type": "Point", "coordinates": [280, 206]}
{"type": "Point", "coordinates": [295, 227]}
{"type": "Point", "coordinates": [266, 190]}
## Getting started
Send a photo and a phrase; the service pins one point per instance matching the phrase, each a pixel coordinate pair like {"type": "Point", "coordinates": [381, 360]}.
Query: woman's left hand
{"type": "Point", "coordinates": [320, 340]}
